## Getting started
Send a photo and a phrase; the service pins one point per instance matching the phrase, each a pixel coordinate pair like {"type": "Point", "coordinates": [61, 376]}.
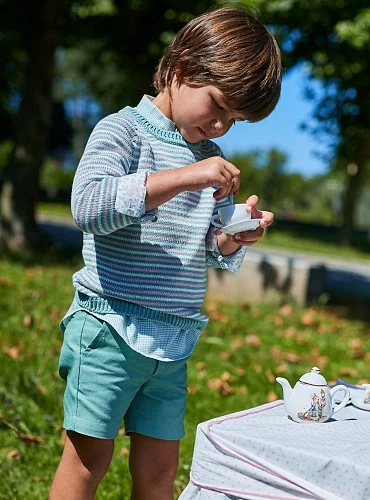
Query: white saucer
{"type": "Point", "coordinates": [359, 403]}
{"type": "Point", "coordinates": [239, 227]}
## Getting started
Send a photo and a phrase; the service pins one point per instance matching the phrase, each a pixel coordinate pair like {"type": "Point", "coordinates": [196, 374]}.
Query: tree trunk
{"type": "Point", "coordinates": [19, 191]}
{"type": "Point", "coordinates": [356, 177]}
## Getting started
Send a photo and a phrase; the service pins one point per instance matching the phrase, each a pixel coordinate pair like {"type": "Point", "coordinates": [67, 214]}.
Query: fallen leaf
{"type": "Point", "coordinates": [192, 389]}
{"type": "Point", "coordinates": [30, 439]}
{"type": "Point", "coordinates": [201, 365]}
{"type": "Point", "coordinates": [272, 396]}
{"type": "Point", "coordinates": [41, 388]}
{"type": "Point", "coordinates": [309, 317]}
{"type": "Point", "coordinates": [5, 282]}
{"type": "Point", "coordinates": [321, 361]}
{"type": "Point", "coordinates": [350, 372]}
{"type": "Point", "coordinates": [357, 348]}
{"type": "Point", "coordinates": [224, 355]}
{"type": "Point", "coordinates": [278, 321]}
{"type": "Point", "coordinates": [221, 386]}
{"type": "Point", "coordinates": [202, 373]}
{"type": "Point", "coordinates": [27, 320]}
{"type": "Point", "coordinates": [282, 368]}
{"type": "Point", "coordinates": [14, 454]}
{"type": "Point", "coordinates": [363, 381]}
{"type": "Point", "coordinates": [256, 367]}
{"type": "Point", "coordinates": [290, 332]}
{"type": "Point", "coordinates": [253, 340]}
{"type": "Point", "coordinates": [243, 390]}
{"type": "Point", "coordinates": [236, 343]}
{"type": "Point", "coordinates": [291, 357]}
{"type": "Point", "coordinates": [286, 310]}
{"type": "Point", "coordinates": [214, 313]}
{"type": "Point", "coordinates": [270, 376]}
{"type": "Point", "coordinates": [227, 376]}
{"type": "Point", "coordinates": [12, 352]}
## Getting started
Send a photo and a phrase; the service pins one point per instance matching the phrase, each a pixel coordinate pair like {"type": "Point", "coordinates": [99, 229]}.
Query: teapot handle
{"type": "Point", "coordinates": [345, 400]}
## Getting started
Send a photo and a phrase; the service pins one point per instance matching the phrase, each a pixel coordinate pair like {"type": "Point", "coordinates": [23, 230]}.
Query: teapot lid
{"type": "Point", "coordinates": [313, 378]}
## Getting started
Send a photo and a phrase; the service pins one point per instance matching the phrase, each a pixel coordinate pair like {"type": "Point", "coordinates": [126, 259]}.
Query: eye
{"type": "Point", "coordinates": [216, 105]}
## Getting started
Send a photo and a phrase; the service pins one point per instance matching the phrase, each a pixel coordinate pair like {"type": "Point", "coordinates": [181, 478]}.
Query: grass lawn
{"type": "Point", "coordinates": [232, 368]}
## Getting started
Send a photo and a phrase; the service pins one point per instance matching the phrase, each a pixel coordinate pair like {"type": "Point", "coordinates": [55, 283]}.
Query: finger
{"type": "Point", "coordinates": [235, 186]}
{"type": "Point", "coordinates": [267, 218]}
{"type": "Point", "coordinates": [252, 201]}
{"type": "Point", "coordinates": [226, 187]}
{"type": "Point", "coordinates": [235, 172]}
{"type": "Point", "coordinates": [247, 238]}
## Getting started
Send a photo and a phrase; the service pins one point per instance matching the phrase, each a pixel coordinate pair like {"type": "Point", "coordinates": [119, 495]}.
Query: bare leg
{"type": "Point", "coordinates": [153, 467]}
{"type": "Point", "coordinates": [84, 463]}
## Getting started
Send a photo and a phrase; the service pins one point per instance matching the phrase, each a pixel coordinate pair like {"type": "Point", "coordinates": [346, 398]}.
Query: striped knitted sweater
{"type": "Point", "coordinates": [154, 262]}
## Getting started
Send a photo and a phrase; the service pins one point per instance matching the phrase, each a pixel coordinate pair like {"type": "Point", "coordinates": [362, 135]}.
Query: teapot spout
{"type": "Point", "coordinates": [287, 389]}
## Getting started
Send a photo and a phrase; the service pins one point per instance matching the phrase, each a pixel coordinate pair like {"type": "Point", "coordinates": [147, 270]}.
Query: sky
{"type": "Point", "coordinates": [281, 130]}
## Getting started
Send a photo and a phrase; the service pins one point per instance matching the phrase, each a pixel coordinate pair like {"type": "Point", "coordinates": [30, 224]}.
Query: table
{"type": "Point", "coordinates": [261, 453]}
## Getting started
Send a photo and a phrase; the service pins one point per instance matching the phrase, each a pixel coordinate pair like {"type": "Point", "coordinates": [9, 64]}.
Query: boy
{"type": "Point", "coordinates": [144, 193]}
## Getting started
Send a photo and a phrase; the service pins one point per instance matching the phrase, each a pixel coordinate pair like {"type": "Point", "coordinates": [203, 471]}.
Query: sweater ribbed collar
{"type": "Point", "coordinates": [153, 120]}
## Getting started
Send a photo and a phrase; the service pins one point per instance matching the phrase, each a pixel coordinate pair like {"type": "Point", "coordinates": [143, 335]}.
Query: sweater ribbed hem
{"type": "Point", "coordinates": [108, 305]}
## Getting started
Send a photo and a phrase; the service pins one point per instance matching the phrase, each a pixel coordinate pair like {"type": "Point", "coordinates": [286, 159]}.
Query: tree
{"type": "Point", "coordinates": [332, 38]}
{"type": "Point", "coordinates": [119, 34]}
{"type": "Point", "coordinates": [35, 29]}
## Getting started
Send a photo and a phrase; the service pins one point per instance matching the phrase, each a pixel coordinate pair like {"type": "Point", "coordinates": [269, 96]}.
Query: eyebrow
{"type": "Point", "coordinates": [221, 99]}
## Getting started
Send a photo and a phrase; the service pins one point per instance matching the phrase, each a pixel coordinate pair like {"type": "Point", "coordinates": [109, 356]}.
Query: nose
{"type": "Point", "coordinates": [218, 125]}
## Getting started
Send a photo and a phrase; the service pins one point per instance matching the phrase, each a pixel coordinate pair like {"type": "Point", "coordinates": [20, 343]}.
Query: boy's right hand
{"type": "Point", "coordinates": [214, 171]}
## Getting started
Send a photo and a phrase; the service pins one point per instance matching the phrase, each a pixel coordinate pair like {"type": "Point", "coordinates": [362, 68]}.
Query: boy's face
{"type": "Point", "coordinates": [201, 112]}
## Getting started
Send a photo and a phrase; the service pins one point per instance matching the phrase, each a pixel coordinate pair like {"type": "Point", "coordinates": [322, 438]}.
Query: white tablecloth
{"type": "Point", "coordinates": [262, 454]}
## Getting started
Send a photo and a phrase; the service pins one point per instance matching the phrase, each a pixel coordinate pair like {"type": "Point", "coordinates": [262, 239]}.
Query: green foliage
{"type": "Point", "coordinates": [232, 368]}
{"type": "Point", "coordinates": [54, 177]}
{"type": "Point", "coordinates": [356, 31]}
{"type": "Point", "coordinates": [288, 195]}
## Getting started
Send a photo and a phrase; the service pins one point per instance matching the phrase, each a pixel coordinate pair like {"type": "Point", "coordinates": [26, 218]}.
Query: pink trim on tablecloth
{"type": "Point", "coordinates": [243, 459]}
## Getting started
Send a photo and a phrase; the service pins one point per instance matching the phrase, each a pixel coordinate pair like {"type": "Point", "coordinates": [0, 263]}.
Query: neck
{"type": "Point", "coordinates": [163, 103]}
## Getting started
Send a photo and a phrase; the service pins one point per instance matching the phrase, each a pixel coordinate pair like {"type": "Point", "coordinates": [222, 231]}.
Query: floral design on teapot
{"type": "Point", "coordinates": [315, 411]}
{"type": "Point", "coordinates": [367, 394]}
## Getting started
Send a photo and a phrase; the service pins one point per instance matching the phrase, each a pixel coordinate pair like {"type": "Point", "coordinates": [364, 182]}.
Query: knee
{"type": "Point", "coordinates": [158, 477]}
{"type": "Point", "coordinates": [92, 456]}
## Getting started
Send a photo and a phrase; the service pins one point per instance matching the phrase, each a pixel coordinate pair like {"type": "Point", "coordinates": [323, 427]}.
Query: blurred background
{"type": "Point", "coordinates": [65, 64]}
{"type": "Point", "coordinates": [302, 296]}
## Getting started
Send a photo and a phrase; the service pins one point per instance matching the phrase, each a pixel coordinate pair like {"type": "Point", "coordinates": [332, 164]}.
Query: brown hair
{"type": "Point", "coordinates": [230, 50]}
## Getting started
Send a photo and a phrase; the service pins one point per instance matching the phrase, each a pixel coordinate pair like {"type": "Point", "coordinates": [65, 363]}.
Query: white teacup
{"type": "Point", "coordinates": [231, 214]}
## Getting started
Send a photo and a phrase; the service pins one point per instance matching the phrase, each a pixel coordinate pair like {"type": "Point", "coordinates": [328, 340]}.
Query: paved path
{"type": "Point", "coordinates": [345, 278]}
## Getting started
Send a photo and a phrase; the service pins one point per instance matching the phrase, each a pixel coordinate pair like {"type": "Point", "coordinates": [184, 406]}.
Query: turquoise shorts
{"type": "Point", "coordinates": [107, 381]}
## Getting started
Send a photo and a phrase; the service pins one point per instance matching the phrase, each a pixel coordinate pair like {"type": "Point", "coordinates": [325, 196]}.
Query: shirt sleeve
{"type": "Point", "coordinates": [131, 197]}
{"type": "Point", "coordinates": [214, 258]}
{"type": "Point", "coordinates": [106, 196]}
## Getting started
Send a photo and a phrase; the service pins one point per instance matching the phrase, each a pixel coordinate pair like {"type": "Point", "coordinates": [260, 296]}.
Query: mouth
{"type": "Point", "coordinates": [203, 133]}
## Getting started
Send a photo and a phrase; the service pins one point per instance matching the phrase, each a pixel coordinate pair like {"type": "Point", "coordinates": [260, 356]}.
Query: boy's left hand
{"type": "Point", "coordinates": [248, 238]}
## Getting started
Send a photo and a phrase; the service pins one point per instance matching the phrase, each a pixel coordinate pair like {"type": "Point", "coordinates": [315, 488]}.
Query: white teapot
{"type": "Point", "coordinates": [311, 400]}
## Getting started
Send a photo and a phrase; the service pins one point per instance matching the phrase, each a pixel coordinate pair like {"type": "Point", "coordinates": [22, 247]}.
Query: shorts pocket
{"type": "Point", "coordinates": [83, 334]}
{"type": "Point", "coordinates": [93, 334]}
